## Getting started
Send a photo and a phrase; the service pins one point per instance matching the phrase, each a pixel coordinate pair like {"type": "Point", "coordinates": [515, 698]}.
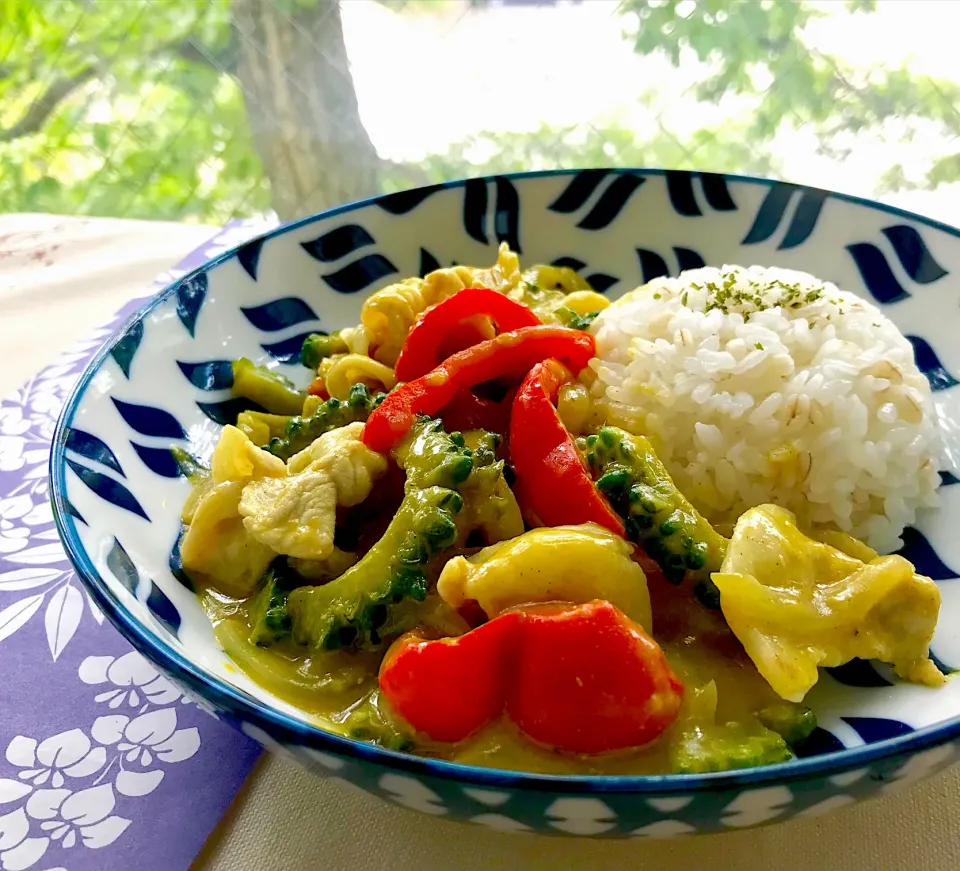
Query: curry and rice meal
{"type": "Point", "coordinates": [513, 524]}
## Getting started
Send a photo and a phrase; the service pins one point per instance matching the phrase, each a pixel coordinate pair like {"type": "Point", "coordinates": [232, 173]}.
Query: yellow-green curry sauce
{"type": "Point", "coordinates": [327, 686]}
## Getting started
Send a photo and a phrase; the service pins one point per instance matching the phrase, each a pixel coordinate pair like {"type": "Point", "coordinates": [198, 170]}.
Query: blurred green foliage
{"type": "Point", "coordinates": [757, 50]}
{"type": "Point", "coordinates": [132, 108]}
{"type": "Point", "coordinates": [148, 126]}
{"type": "Point", "coordinates": [549, 147]}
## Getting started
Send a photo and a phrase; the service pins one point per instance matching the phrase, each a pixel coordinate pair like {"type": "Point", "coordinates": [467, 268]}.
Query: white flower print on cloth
{"type": "Point", "coordinates": [17, 850]}
{"type": "Point", "coordinates": [69, 753]}
{"type": "Point", "coordinates": [67, 785]}
{"type": "Point", "coordinates": [11, 453]}
{"type": "Point", "coordinates": [91, 737]}
{"type": "Point", "coordinates": [142, 741]}
{"type": "Point", "coordinates": [12, 422]}
{"type": "Point", "coordinates": [86, 815]}
{"type": "Point", "coordinates": [133, 681]}
{"type": "Point", "coordinates": [14, 534]}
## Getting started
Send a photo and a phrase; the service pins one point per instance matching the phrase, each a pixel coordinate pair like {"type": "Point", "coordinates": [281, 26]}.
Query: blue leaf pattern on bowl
{"type": "Point", "coordinates": [506, 218]}
{"type": "Point", "coordinates": [163, 609]}
{"type": "Point", "coordinates": [941, 665]}
{"type": "Point", "coordinates": [652, 265]}
{"type": "Point", "coordinates": [279, 314]}
{"type": "Point", "coordinates": [360, 274]}
{"type": "Point", "coordinates": [688, 259]}
{"type": "Point", "coordinates": [913, 254]}
{"type": "Point", "coordinates": [125, 350]}
{"type": "Point", "coordinates": [612, 201]}
{"type": "Point", "coordinates": [873, 729]}
{"type": "Point", "coordinates": [249, 256]}
{"type": "Point", "coordinates": [819, 743]}
{"type": "Point", "coordinates": [406, 201]}
{"type": "Point", "coordinates": [929, 363]}
{"type": "Point", "coordinates": [428, 263]}
{"type": "Point", "coordinates": [175, 563]}
{"type": "Point", "coordinates": [72, 511]}
{"type": "Point", "coordinates": [158, 460]}
{"type": "Point", "coordinates": [680, 191]}
{"type": "Point", "coordinates": [918, 550]}
{"type": "Point", "coordinates": [717, 193]}
{"type": "Point", "coordinates": [570, 263]}
{"type": "Point", "coordinates": [108, 489]}
{"type": "Point", "coordinates": [804, 219]}
{"type": "Point", "coordinates": [209, 375]}
{"type": "Point", "coordinates": [601, 282]}
{"type": "Point", "coordinates": [119, 562]}
{"type": "Point", "coordinates": [226, 410]}
{"type": "Point", "coordinates": [578, 191]}
{"type": "Point", "coordinates": [286, 350]}
{"type": "Point", "coordinates": [92, 448]}
{"type": "Point", "coordinates": [772, 210]}
{"type": "Point", "coordinates": [858, 673]}
{"type": "Point", "coordinates": [877, 274]}
{"type": "Point", "coordinates": [338, 243]}
{"type": "Point", "coordinates": [148, 420]}
{"type": "Point", "coordinates": [191, 294]}
{"type": "Point", "coordinates": [475, 210]}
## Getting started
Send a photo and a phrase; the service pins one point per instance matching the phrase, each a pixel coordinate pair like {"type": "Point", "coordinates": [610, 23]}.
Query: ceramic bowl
{"type": "Point", "coordinates": [162, 381]}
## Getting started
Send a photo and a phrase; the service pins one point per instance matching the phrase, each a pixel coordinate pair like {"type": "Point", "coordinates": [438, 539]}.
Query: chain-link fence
{"type": "Point", "coordinates": [203, 110]}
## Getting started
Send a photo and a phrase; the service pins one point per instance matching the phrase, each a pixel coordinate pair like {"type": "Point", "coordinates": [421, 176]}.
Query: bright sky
{"type": "Point", "coordinates": [425, 82]}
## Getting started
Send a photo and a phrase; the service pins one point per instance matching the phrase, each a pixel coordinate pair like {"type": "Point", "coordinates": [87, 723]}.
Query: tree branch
{"type": "Point", "coordinates": [224, 60]}
{"type": "Point", "coordinates": [34, 118]}
{"type": "Point", "coordinates": [43, 107]}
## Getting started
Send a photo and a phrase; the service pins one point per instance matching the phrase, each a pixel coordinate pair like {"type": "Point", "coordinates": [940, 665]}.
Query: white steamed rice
{"type": "Point", "coordinates": [791, 391]}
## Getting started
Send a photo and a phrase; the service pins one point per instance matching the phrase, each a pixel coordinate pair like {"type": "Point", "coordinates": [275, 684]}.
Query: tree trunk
{"type": "Point", "coordinates": [302, 105]}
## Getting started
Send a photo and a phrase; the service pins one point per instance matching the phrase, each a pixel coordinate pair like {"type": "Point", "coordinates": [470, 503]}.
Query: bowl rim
{"type": "Point", "coordinates": [250, 710]}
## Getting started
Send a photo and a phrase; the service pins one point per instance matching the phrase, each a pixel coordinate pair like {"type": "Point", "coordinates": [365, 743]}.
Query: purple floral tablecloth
{"type": "Point", "coordinates": [104, 763]}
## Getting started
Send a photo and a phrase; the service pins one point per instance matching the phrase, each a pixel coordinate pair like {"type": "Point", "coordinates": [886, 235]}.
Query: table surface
{"type": "Point", "coordinates": [70, 275]}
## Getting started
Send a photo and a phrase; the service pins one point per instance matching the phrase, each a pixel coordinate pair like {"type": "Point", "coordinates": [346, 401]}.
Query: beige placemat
{"type": "Point", "coordinates": [59, 278]}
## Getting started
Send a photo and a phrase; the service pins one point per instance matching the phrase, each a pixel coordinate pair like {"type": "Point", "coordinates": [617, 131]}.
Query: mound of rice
{"type": "Point", "coordinates": [767, 385]}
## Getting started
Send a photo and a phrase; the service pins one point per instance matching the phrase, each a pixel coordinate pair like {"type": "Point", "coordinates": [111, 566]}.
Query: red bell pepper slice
{"type": "Point", "coordinates": [449, 688]}
{"type": "Point", "coordinates": [553, 486]}
{"type": "Point", "coordinates": [581, 679]}
{"type": "Point", "coordinates": [589, 680]}
{"type": "Point", "coordinates": [443, 325]}
{"type": "Point", "coordinates": [318, 388]}
{"type": "Point", "coordinates": [509, 354]}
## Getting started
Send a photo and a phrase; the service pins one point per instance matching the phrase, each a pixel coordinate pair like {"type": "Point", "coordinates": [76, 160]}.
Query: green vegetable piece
{"type": "Point", "coordinates": [269, 389]}
{"type": "Point", "coordinates": [381, 595]}
{"type": "Point", "coordinates": [614, 482]}
{"type": "Point", "coordinates": [301, 432]}
{"type": "Point", "coordinates": [544, 288]}
{"type": "Point", "coordinates": [657, 515]}
{"type": "Point", "coordinates": [794, 723]}
{"type": "Point", "coordinates": [318, 346]}
{"type": "Point", "coordinates": [707, 594]}
{"type": "Point", "coordinates": [368, 721]}
{"type": "Point", "coordinates": [350, 611]}
{"type": "Point", "coordinates": [190, 467]}
{"type": "Point", "coordinates": [260, 426]}
{"type": "Point", "coordinates": [569, 318]}
{"type": "Point", "coordinates": [721, 748]}
{"type": "Point", "coordinates": [432, 457]}
{"type": "Point", "coordinates": [333, 674]}
{"type": "Point", "coordinates": [490, 507]}
{"type": "Point", "coordinates": [270, 621]}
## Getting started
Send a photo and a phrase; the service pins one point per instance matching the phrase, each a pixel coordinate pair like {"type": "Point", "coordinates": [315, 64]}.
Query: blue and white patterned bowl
{"type": "Point", "coordinates": [163, 380]}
